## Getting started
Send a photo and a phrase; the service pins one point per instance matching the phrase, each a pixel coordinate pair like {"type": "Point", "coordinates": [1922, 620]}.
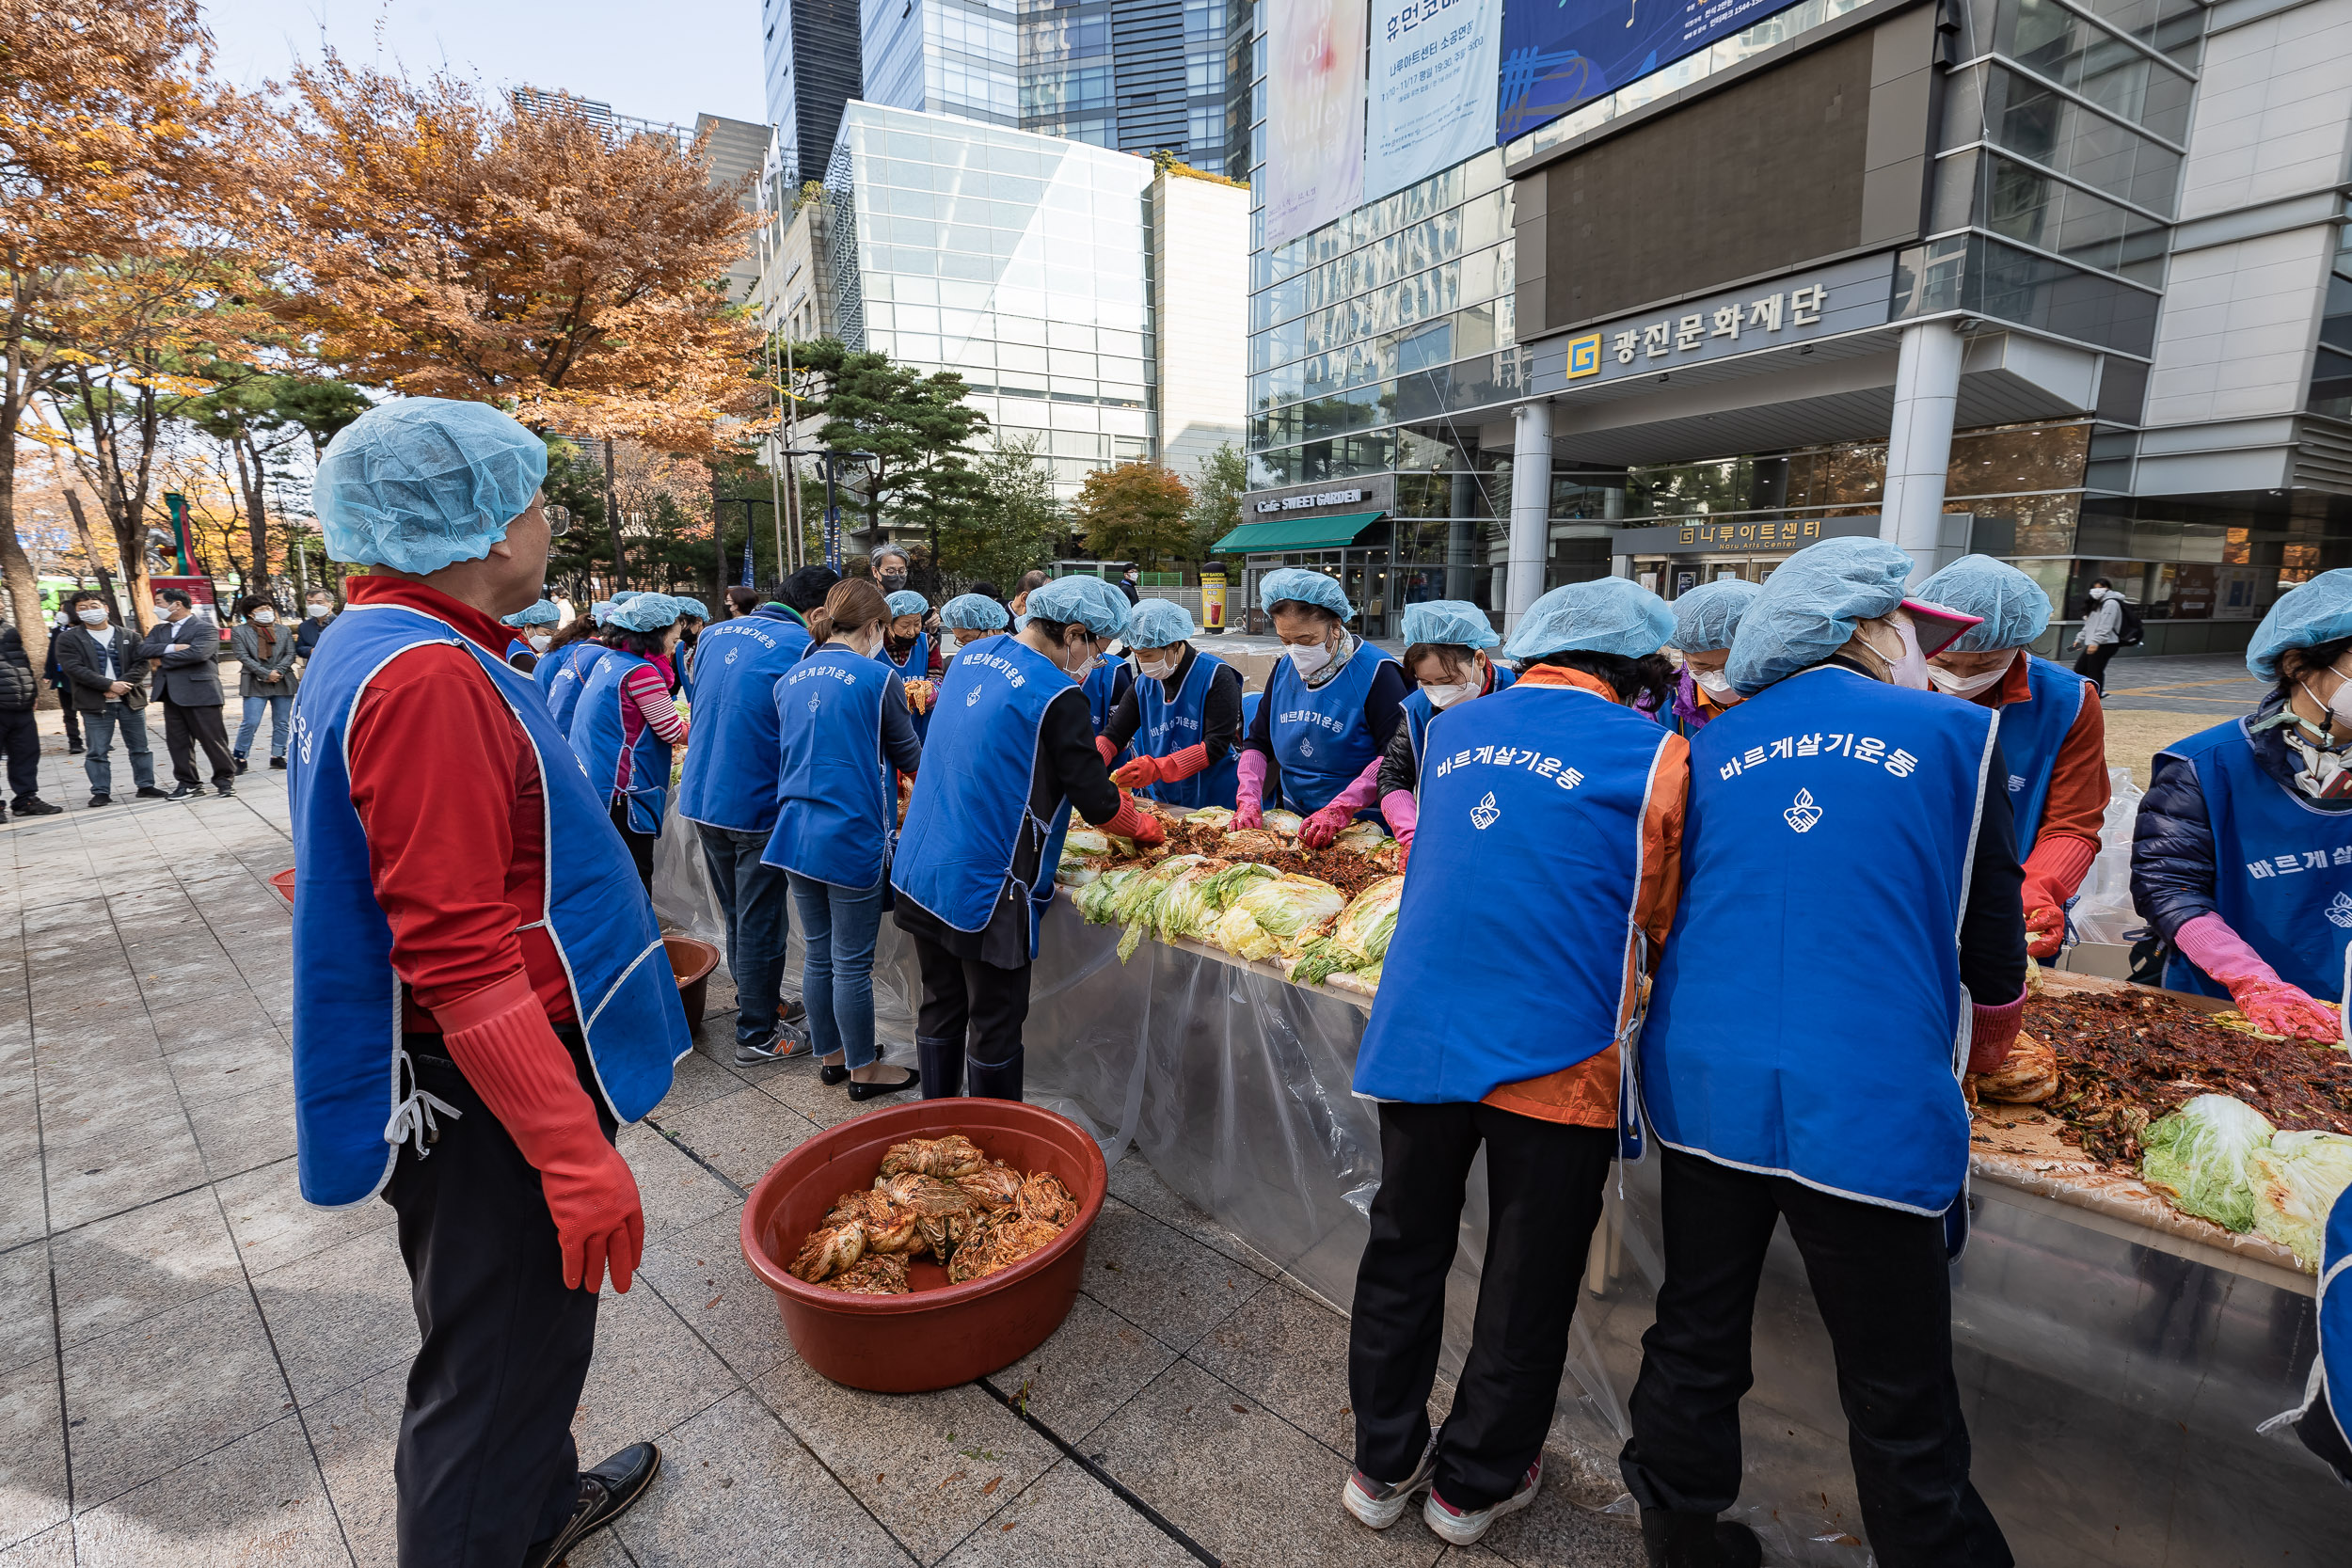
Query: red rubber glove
{"type": "Point", "coordinates": [1993, 1033]}
{"type": "Point", "coordinates": [500, 1041]}
{"type": "Point", "coordinates": [1324, 826]}
{"type": "Point", "coordinates": [1140, 771]}
{"type": "Point", "coordinates": [2271, 1005]}
{"type": "Point", "coordinates": [2052, 872]}
{"type": "Point", "coordinates": [1249, 791]}
{"type": "Point", "coordinates": [1108, 752]}
{"type": "Point", "coordinates": [1136, 823]}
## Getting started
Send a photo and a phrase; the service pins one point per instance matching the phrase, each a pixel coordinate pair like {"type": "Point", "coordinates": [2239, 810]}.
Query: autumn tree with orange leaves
{"type": "Point", "coordinates": [442, 244]}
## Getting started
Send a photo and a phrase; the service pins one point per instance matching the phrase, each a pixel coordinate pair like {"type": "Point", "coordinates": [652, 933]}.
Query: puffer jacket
{"type": "Point", "coordinates": [2172, 850]}
{"type": "Point", "coordinates": [19, 686]}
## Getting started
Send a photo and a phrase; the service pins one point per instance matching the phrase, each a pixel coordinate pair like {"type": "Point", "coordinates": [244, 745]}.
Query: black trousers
{"type": "Point", "coordinates": [20, 739]}
{"type": "Point", "coordinates": [185, 730]}
{"type": "Point", "coordinates": [2092, 665]}
{"type": "Point", "coordinates": [969, 1008]}
{"type": "Point", "coordinates": [72, 718]}
{"type": "Point", "coordinates": [485, 1465]}
{"type": "Point", "coordinates": [1883, 1286]}
{"type": "Point", "coordinates": [639, 845]}
{"type": "Point", "coordinates": [1544, 1185]}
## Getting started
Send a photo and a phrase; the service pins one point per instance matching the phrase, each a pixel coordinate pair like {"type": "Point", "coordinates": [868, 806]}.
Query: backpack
{"type": "Point", "coordinates": [2127, 629]}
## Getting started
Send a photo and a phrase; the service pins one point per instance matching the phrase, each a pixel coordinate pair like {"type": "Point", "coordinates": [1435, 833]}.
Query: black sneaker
{"type": "Point", "coordinates": [277, 761]}
{"type": "Point", "coordinates": [240, 761]}
{"type": "Point", "coordinates": [185, 792]}
{"type": "Point", "coordinates": [101, 800]}
{"type": "Point", "coordinates": [33, 805]}
{"type": "Point", "coordinates": [75, 750]}
{"type": "Point", "coordinates": [148, 792]}
{"type": "Point", "coordinates": [222, 790]}
{"type": "Point", "coordinates": [606, 1493]}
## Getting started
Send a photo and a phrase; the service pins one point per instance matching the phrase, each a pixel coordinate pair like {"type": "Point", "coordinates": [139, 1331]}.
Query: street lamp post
{"type": "Point", "coordinates": [829, 463]}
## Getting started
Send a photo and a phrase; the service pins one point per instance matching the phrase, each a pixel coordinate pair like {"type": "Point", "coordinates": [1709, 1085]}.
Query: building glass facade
{"type": "Point", "coordinates": [958, 57]}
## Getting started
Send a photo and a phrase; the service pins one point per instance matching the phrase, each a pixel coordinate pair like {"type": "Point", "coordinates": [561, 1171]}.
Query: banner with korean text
{"type": "Point", "coordinates": [1314, 165]}
{"type": "Point", "coordinates": [1433, 88]}
{"type": "Point", "coordinates": [1560, 53]}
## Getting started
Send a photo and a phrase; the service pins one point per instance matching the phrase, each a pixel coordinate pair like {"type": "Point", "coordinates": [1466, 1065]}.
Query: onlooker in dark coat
{"type": "Point", "coordinates": [51, 676]}
{"type": "Point", "coordinates": [265, 659]}
{"type": "Point", "coordinates": [101, 663]}
{"type": "Point", "coordinates": [306, 637]}
{"type": "Point", "coordinates": [185, 647]}
{"type": "Point", "coordinates": [19, 737]}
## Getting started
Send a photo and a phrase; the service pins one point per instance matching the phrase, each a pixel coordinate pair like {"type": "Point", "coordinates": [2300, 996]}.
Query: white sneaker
{"type": "Point", "coordinates": [1379, 1504]}
{"type": "Point", "coordinates": [1463, 1529]}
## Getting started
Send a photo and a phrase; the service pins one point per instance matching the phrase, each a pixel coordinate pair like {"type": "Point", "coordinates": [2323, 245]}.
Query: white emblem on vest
{"type": "Point", "coordinates": [972, 698]}
{"type": "Point", "coordinates": [731, 653]}
{"type": "Point", "coordinates": [1802, 814]}
{"type": "Point", "coordinates": [2016, 783]}
{"type": "Point", "coordinates": [1307, 748]}
{"type": "Point", "coordinates": [2340, 912]}
{"type": "Point", "coordinates": [1486, 814]}
{"type": "Point", "coordinates": [816, 701]}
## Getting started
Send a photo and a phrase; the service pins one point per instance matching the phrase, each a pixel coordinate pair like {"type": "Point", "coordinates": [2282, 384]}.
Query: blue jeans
{"type": "Point", "coordinates": [759, 912]}
{"type": "Point", "coordinates": [100, 727]}
{"type": "Point", "coordinates": [280, 715]}
{"type": "Point", "coordinates": [838, 927]}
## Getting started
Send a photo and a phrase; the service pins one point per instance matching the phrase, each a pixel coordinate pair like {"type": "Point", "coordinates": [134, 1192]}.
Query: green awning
{"type": "Point", "coordinates": [1295, 533]}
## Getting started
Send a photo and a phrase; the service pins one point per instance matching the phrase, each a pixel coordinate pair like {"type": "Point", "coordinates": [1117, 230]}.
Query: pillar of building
{"type": "Point", "coordinates": [1530, 509]}
{"type": "Point", "coordinates": [1919, 439]}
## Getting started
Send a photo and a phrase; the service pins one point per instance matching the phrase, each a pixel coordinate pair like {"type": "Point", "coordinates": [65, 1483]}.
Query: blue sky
{"type": "Point", "coordinates": [657, 59]}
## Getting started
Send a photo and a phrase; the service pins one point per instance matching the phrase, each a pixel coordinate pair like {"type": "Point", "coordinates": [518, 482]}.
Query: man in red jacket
{"type": "Point", "coordinates": [429, 786]}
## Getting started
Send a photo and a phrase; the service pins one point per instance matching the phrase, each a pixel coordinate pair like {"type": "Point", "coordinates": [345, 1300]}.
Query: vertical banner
{"type": "Point", "coordinates": [1434, 65]}
{"type": "Point", "coordinates": [1314, 165]}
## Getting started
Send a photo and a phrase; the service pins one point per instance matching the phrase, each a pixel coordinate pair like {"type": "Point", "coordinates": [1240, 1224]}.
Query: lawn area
{"type": "Point", "coordinates": [2136, 735]}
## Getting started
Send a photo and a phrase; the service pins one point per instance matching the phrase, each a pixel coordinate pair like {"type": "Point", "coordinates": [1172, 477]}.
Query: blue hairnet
{"type": "Point", "coordinates": [1158, 623]}
{"type": "Point", "coordinates": [1297, 585]}
{"type": "Point", "coordinates": [691, 607]}
{"type": "Point", "coordinates": [973, 612]}
{"type": "Point", "coordinates": [1456, 622]}
{"type": "Point", "coordinates": [1606, 615]}
{"type": "Point", "coordinates": [544, 613]}
{"type": "Point", "coordinates": [2310, 614]}
{"type": "Point", "coordinates": [1810, 606]}
{"type": "Point", "coordinates": [1706, 616]}
{"type": "Point", "coordinates": [643, 612]}
{"type": "Point", "coordinates": [1089, 601]}
{"type": "Point", "coordinates": [424, 483]}
{"type": "Point", "coordinates": [2013, 607]}
{"type": "Point", "coordinates": [906, 601]}
{"type": "Point", "coordinates": [600, 611]}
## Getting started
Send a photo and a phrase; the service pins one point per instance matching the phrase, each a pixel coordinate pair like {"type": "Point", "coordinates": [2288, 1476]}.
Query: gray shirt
{"type": "Point", "coordinates": [2105, 623]}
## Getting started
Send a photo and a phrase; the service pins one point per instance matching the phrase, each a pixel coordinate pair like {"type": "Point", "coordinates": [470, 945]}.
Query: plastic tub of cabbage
{"type": "Point", "coordinates": [947, 1240]}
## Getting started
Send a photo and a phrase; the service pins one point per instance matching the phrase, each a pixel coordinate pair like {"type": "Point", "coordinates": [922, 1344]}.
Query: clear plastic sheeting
{"type": "Point", "coordinates": [2102, 911]}
{"type": "Point", "coordinates": [2112, 1375]}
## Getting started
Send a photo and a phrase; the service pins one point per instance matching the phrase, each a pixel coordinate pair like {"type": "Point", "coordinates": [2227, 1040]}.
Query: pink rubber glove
{"type": "Point", "coordinates": [1248, 811]}
{"type": "Point", "coordinates": [2269, 1003]}
{"type": "Point", "coordinates": [1993, 1032]}
{"type": "Point", "coordinates": [1324, 826]}
{"type": "Point", "coordinates": [1403, 814]}
{"type": "Point", "coordinates": [1108, 752]}
{"type": "Point", "coordinates": [2052, 872]}
{"type": "Point", "coordinates": [500, 1041]}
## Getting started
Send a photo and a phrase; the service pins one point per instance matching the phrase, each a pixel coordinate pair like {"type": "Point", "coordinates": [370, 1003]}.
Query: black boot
{"type": "Point", "coordinates": [997, 1079]}
{"type": "Point", "coordinates": [942, 1065]}
{"type": "Point", "coordinates": [1675, 1540]}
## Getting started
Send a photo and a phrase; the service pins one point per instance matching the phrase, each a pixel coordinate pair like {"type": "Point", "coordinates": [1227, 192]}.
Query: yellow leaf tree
{"type": "Point", "coordinates": [1135, 511]}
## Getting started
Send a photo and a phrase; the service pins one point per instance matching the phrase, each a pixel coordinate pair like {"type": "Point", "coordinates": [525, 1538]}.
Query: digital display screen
{"type": "Point", "coordinates": [1558, 55]}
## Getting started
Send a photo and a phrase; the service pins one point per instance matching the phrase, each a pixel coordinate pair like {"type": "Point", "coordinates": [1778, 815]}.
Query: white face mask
{"type": "Point", "coordinates": [1714, 682]}
{"type": "Point", "coordinates": [1968, 686]}
{"type": "Point", "coordinates": [263, 617]}
{"type": "Point", "coordinates": [1156, 669]}
{"type": "Point", "coordinates": [163, 612]}
{"type": "Point", "coordinates": [1450, 693]}
{"type": "Point", "coordinates": [322, 611]}
{"type": "Point", "coordinates": [1085, 666]}
{"type": "Point", "coordinates": [2338, 703]}
{"type": "Point", "coordinates": [1309, 659]}
{"type": "Point", "coordinates": [92, 615]}
{"type": "Point", "coordinates": [1907, 669]}
{"type": "Point", "coordinates": [539, 641]}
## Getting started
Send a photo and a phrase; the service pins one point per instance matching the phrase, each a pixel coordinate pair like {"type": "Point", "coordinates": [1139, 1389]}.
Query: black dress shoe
{"type": "Point", "coordinates": [74, 749]}
{"type": "Point", "coordinates": [148, 792]}
{"type": "Point", "coordinates": [606, 1493]}
{"type": "Point", "coordinates": [185, 792]}
{"type": "Point", "coordinates": [102, 800]}
{"type": "Point", "coordinates": [831, 1074]}
{"type": "Point", "coordinates": [875, 1091]}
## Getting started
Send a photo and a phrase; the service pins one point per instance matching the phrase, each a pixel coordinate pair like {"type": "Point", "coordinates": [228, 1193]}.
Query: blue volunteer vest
{"type": "Point", "coordinates": [1169, 727]}
{"type": "Point", "coordinates": [2282, 868]}
{"type": "Point", "coordinates": [836, 808]}
{"type": "Point", "coordinates": [563, 673]}
{"type": "Point", "coordinates": [1808, 1018]}
{"type": "Point", "coordinates": [1106, 684]}
{"type": "Point", "coordinates": [1419, 710]}
{"type": "Point", "coordinates": [597, 729]}
{"type": "Point", "coordinates": [917, 666]}
{"type": "Point", "coordinates": [515, 645]}
{"type": "Point", "coordinates": [1320, 741]}
{"type": "Point", "coordinates": [2031, 734]}
{"type": "Point", "coordinates": [2335, 1312]}
{"type": "Point", "coordinates": [730, 775]}
{"type": "Point", "coordinates": [972, 798]}
{"type": "Point", "coordinates": [347, 1051]}
{"type": "Point", "coordinates": [1551, 782]}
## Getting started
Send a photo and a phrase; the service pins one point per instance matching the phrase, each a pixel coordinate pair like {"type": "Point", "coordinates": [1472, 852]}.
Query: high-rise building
{"type": "Point", "coordinates": [2066, 284]}
{"type": "Point", "coordinates": [944, 58]}
{"type": "Point", "coordinates": [813, 65]}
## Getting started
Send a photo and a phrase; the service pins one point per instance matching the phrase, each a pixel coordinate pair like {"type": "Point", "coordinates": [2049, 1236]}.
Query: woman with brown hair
{"type": "Point", "coordinates": [265, 657]}
{"type": "Point", "coordinates": [843, 725]}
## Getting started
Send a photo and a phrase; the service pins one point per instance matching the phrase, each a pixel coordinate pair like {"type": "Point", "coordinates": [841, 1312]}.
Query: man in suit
{"type": "Point", "coordinates": [185, 649]}
{"type": "Point", "coordinates": [103, 673]}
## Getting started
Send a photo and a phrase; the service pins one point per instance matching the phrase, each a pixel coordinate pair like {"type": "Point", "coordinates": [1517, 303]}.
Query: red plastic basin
{"type": "Point", "coordinates": [283, 883]}
{"type": "Point", "coordinates": [692, 963]}
{"type": "Point", "coordinates": [929, 1338]}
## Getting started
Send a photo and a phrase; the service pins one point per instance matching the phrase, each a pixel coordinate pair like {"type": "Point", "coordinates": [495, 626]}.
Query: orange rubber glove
{"type": "Point", "coordinates": [1136, 823]}
{"type": "Point", "coordinates": [501, 1039]}
{"type": "Point", "coordinates": [1139, 772]}
{"type": "Point", "coordinates": [1108, 752]}
{"type": "Point", "coordinates": [2054, 872]}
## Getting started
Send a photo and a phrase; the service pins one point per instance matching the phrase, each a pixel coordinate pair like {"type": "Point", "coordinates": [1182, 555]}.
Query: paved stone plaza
{"type": "Point", "coordinates": [197, 1368]}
